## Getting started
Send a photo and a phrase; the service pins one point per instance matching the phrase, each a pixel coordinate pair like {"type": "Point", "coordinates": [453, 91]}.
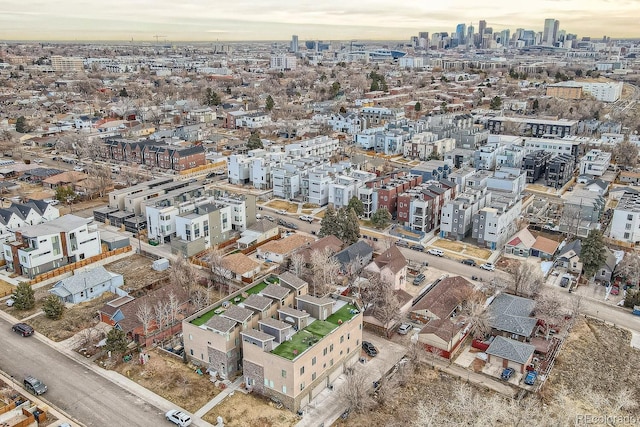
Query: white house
{"type": "Point", "coordinates": [595, 162]}
{"type": "Point", "coordinates": [625, 224]}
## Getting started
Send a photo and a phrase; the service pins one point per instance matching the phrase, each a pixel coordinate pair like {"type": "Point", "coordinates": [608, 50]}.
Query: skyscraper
{"type": "Point", "coordinates": [461, 30]}
{"type": "Point", "coordinates": [482, 25]}
{"type": "Point", "coordinates": [550, 32]}
{"type": "Point", "coordinates": [294, 43]}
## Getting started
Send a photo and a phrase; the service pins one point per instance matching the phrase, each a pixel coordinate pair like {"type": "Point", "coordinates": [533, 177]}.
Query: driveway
{"type": "Point", "coordinates": [327, 407]}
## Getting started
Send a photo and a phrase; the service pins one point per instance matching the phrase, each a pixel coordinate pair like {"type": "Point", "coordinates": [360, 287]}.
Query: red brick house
{"type": "Point", "coordinates": [122, 313]}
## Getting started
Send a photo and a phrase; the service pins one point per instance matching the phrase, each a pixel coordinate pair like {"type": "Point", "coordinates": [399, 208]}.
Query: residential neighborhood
{"type": "Point", "coordinates": [437, 230]}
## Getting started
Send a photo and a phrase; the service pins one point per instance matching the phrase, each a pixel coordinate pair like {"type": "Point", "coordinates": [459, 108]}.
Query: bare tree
{"type": "Point", "coordinates": [221, 273]}
{"type": "Point", "coordinates": [626, 153]}
{"type": "Point", "coordinates": [387, 308]}
{"type": "Point", "coordinates": [145, 316]}
{"type": "Point", "coordinates": [570, 220]}
{"type": "Point", "coordinates": [355, 391]}
{"type": "Point", "coordinates": [526, 279]}
{"type": "Point", "coordinates": [173, 308]}
{"type": "Point", "coordinates": [325, 270]}
{"type": "Point", "coordinates": [629, 268]}
{"type": "Point", "coordinates": [160, 313]}
{"type": "Point", "coordinates": [477, 316]}
{"type": "Point", "coordinates": [370, 290]}
{"type": "Point", "coordinates": [549, 309]}
{"type": "Point", "coordinates": [184, 273]}
{"type": "Point", "coordinates": [101, 176]}
{"type": "Point", "coordinates": [297, 264]}
{"type": "Point", "coordinates": [199, 299]}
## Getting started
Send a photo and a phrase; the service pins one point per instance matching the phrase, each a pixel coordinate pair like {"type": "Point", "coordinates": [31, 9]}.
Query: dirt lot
{"type": "Point", "coordinates": [240, 408]}
{"type": "Point", "coordinates": [283, 204]}
{"type": "Point", "coordinates": [75, 319]}
{"type": "Point", "coordinates": [171, 379]}
{"type": "Point", "coordinates": [449, 245]}
{"type": "Point", "coordinates": [5, 288]}
{"type": "Point", "coordinates": [85, 208]}
{"type": "Point", "coordinates": [137, 272]}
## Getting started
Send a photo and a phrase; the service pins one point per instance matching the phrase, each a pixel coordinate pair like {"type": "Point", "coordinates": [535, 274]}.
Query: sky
{"type": "Point", "coordinates": [207, 20]}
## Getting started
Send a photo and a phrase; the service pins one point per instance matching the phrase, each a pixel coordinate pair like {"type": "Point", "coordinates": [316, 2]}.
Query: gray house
{"type": "Point", "coordinates": [510, 317]}
{"type": "Point", "coordinates": [87, 285]}
{"type": "Point", "coordinates": [355, 257]}
{"type": "Point", "coordinates": [605, 273]}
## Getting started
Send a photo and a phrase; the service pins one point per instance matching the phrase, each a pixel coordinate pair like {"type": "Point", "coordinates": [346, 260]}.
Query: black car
{"type": "Point", "coordinates": [291, 226]}
{"type": "Point", "coordinates": [369, 348]}
{"type": "Point", "coordinates": [419, 248]}
{"type": "Point", "coordinates": [34, 385]}
{"type": "Point", "coordinates": [402, 243]}
{"type": "Point", "coordinates": [22, 329]}
{"type": "Point", "coordinates": [469, 261]}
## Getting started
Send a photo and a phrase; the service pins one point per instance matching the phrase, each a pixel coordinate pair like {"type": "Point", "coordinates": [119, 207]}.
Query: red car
{"type": "Point", "coordinates": [615, 290]}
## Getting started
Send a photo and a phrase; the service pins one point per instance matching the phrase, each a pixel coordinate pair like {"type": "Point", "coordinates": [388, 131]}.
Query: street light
{"type": "Point", "coordinates": [138, 228]}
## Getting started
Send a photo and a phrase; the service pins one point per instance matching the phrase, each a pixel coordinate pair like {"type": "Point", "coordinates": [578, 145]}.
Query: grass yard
{"type": "Point", "coordinates": [283, 204]}
{"type": "Point", "coordinates": [242, 409]}
{"type": "Point", "coordinates": [172, 379]}
{"type": "Point", "coordinates": [75, 319]}
{"type": "Point", "coordinates": [6, 288]}
{"type": "Point", "coordinates": [343, 314]}
{"type": "Point", "coordinates": [291, 349]}
{"type": "Point", "coordinates": [477, 252]}
{"type": "Point", "coordinates": [321, 328]}
{"type": "Point", "coordinates": [449, 245]}
{"type": "Point", "coordinates": [199, 321]}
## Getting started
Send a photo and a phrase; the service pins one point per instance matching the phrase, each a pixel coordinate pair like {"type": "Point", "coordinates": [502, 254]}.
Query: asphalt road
{"type": "Point", "coordinates": [84, 395]}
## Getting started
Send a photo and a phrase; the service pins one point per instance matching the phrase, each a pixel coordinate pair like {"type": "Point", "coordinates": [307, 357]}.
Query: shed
{"type": "Point", "coordinates": [160, 264]}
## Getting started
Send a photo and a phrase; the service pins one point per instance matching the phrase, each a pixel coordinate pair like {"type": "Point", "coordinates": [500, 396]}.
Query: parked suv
{"type": "Point", "coordinates": [369, 348]}
{"type": "Point", "coordinates": [419, 279]}
{"type": "Point", "coordinates": [488, 266]}
{"type": "Point", "coordinates": [419, 248]}
{"type": "Point", "coordinates": [469, 261]}
{"type": "Point", "coordinates": [178, 418]}
{"type": "Point", "coordinates": [436, 252]}
{"type": "Point", "coordinates": [507, 373]}
{"type": "Point", "coordinates": [530, 379]}
{"type": "Point", "coordinates": [35, 386]}
{"type": "Point", "coordinates": [404, 329]}
{"type": "Point", "coordinates": [307, 218]}
{"type": "Point", "coordinates": [565, 280]}
{"type": "Point", "coordinates": [22, 329]}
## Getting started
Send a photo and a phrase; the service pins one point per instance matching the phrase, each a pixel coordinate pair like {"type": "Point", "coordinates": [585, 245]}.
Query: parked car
{"type": "Point", "coordinates": [78, 168]}
{"type": "Point", "coordinates": [507, 374]}
{"type": "Point", "coordinates": [291, 226]}
{"type": "Point", "coordinates": [436, 252]}
{"type": "Point", "coordinates": [307, 218]}
{"type": "Point", "coordinates": [565, 280]}
{"type": "Point", "coordinates": [419, 248]}
{"type": "Point", "coordinates": [369, 348]}
{"type": "Point", "coordinates": [22, 329]}
{"type": "Point", "coordinates": [615, 290]}
{"type": "Point", "coordinates": [530, 379]}
{"type": "Point", "coordinates": [469, 261]}
{"type": "Point", "coordinates": [404, 329]}
{"type": "Point", "coordinates": [178, 418]}
{"type": "Point", "coordinates": [419, 279]}
{"type": "Point", "coordinates": [10, 302]}
{"type": "Point", "coordinates": [488, 266]}
{"type": "Point", "coordinates": [402, 243]}
{"type": "Point", "coordinates": [281, 212]}
{"type": "Point", "coordinates": [35, 386]}
{"type": "Point", "coordinates": [269, 217]}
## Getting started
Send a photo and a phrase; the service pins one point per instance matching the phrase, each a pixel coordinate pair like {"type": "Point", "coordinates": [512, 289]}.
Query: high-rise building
{"type": "Point", "coordinates": [550, 32]}
{"type": "Point", "coordinates": [470, 30]}
{"type": "Point", "coordinates": [482, 25]}
{"type": "Point", "coordinates": [461, 30]}
{"type": "Point", "coordinates": [66, 63]}
{"type": "Point", "coordinates": [294, 43]}
{"type": "Point", "coordinates": [423, 39]}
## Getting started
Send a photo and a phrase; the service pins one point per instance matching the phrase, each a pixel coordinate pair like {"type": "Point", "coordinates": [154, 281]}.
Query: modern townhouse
{"type": "Point", "coordinates": [595, 162]}
{"type": "Point", "coordinates": [568, 145]}
{"type": "Point", "coordinates": [496, 222]}
{"type": "Point", "coordinates": [511, 156]}
{"type": "Point", "coordinates": [485, 157]}
{"type": "Point", "coordinates": [459, 158]}
{"type": "Point", "coordinates": [349, 123]}
{"type": "Point", "coordinates": [531, 126]}
{"type": "Point", "coordinates": [535, 165]}
{"type": "Point", "coordinates": [37, 249]}
{"type": "Point", "coordinates": [288, 344]}
{"type": "Point", "coordinates": [20, 215]}
{"type": "Point", "coordinates": [420, 207]}
{"type": "Point", "coordinates": [625, 224]}
{"type": "Point", "coordinates": [457, 215]}
{"type": "Point", "coordinates": [581, 212]}
{"type": "Point", "coordinates": [432, 170]}
{"type": "Point", "coordinates": [559, 170]}
{"type": "Point", "coordinates": [384, 191]}
{"type": "Point", "coordinates": [511, 180]}
{"type": "Point", "coordinates": [321, 147]}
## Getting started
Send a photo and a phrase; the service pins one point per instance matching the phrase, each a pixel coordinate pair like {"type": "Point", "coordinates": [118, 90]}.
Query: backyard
{"type": "Point", "coordinates": [172, 379]}
{"type": "Point", "coordinates": [241, 409]}
{"type": "Point", "coordinates": [283, 204]}
{"type": "Point", "coordinates": [137, 272]}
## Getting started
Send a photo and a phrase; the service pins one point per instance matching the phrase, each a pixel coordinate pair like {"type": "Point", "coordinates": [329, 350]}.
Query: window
{"type": "Point", "coordinates": [302, 370]}
{"type": "Point", "coordinates": [313, 376]}
{"type": "Point", "coordinates": [313, 361]}
{"type": "Point", "coordinates": [284, 389]}
{"type": "Point", "coordinates": [284, 374]}
{"type": "Point", "coordinates": [627, 227]}
{"type": "Point", "coordinates": [626, 235]}
{"type": "Point", "coordinates": [331, 347]}
{"type": "Point", "coordinates": [629, 217]}
{"type": "Point", "coordinates": [341, 339]}
{"type": "Point", "coordinates": [324, 352]}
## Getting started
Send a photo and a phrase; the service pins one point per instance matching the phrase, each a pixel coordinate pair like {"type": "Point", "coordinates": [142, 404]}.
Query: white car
{"type": "Point", "coordinates": [78, 169]}
{"type": "Point", "coordinates": [281, 212]}
{"type": "Point", "coordinates": [436, 252]}
{"type": "Point", "coordinates": [488, 266]}
{"type": "Point", "coordinates": [404, 329]}
{"type": "Point", "coordinates": [10, 302]}
{"type": "Point", "coordinates": [307, 218]}
{"type": "Point", "coordinates": [178, 417]}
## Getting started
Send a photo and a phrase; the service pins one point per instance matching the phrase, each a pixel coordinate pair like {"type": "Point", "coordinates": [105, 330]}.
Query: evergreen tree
{"type": "Point", "coordinates": [116, 341]}
{"type": "Point", "coordinates": [21, 125]}
{"type": "Point", "coordinates": [417, 107]}
{"type": "Point", "coordinates": [269, 103]}
{"type": "Point", "coordinates": [350, 226]}
{"type": "Point", "coordinates": [23, 297]}
{"type": "Point", "coordinates": [329, 225]}
{"type": "Point", "coordinates": [53, 307]}
{"type": "Point", "coordinates": [592, 254]}
{"type": "Point", "coordinates": [381, 218]}
{"type": "Point", "coordinates": [496, 102]}
{"type": "Point", "coordinates": [254, 141]}
{"type": "Point", "coordinates": [123, 93]}
{"type": "Point", "coordinates": [356, 205]}
{"type": "Point", "coordinates": [211, 97]}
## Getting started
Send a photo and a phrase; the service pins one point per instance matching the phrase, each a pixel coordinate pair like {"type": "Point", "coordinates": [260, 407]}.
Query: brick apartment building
{"type": "Point", "coordinates": [153, 154]}
{"type": "Point", "coordinates": [420, 207]}
{"type": "Point", "coordinates": [383, 191]}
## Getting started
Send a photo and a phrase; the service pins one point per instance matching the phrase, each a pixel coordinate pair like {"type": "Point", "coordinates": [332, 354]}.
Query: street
{"type": "Point", "coordinates": [83, 394]}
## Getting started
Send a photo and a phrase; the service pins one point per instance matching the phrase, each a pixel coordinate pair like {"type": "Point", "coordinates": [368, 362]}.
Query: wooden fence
{"type": "Point", "coordinates": [78, 264]}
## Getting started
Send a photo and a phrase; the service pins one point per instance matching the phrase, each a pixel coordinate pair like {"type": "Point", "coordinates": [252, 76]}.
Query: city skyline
{"type": "Point", "coordinates": [196, 20]}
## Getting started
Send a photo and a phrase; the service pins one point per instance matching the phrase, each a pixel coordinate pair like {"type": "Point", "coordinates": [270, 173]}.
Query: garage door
{"type": "Point", "coordinates": [318, 389]}
{"type": "Point", "coordinates": [305, 401]}
{"type": "Point", "coordinates": [334, 375]}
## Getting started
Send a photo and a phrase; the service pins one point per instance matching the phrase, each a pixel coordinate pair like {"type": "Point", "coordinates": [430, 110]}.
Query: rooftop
{"type": "Point", "coordinates": [313, 333]}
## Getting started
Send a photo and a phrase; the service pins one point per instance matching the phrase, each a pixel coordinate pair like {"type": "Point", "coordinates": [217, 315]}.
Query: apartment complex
{"type": "Point", "coordinates": [532, 127]}
{"type": "Point", "coordinates": [559, 170]}
{"type": "Point", "coordinates": [457, 215]}
{"type": "Point", "coordinates": [595, 162]}
{"type": "Point", "coordinates": [37, 249]}
{"type": "Point", "coordinates": [535, 165]}
{"type": "Point", "coordinates": [152, 154]}
{"type": "Point", "coordinates": [496, 222]}
{"type": "Point", "coordinates": [602, 91]}
{"type": "Point", "coordinates": [420, 207]}
{"type": "Point", "coordinates": [383, 191]}
{"type": "Point", "coordinates": [288, 344]}
{"type": "Point", "coordinates": [66, 63]}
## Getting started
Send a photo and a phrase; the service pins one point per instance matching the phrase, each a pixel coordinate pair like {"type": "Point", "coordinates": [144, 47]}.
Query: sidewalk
{"type": "Point", "coordinates": [121, 381]}
{"type": "Point", "coordinates": [219, 398]}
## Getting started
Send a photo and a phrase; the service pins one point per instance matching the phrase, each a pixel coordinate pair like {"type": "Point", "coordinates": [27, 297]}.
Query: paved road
{"type": "Point", "coordinates": [84, 395]}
